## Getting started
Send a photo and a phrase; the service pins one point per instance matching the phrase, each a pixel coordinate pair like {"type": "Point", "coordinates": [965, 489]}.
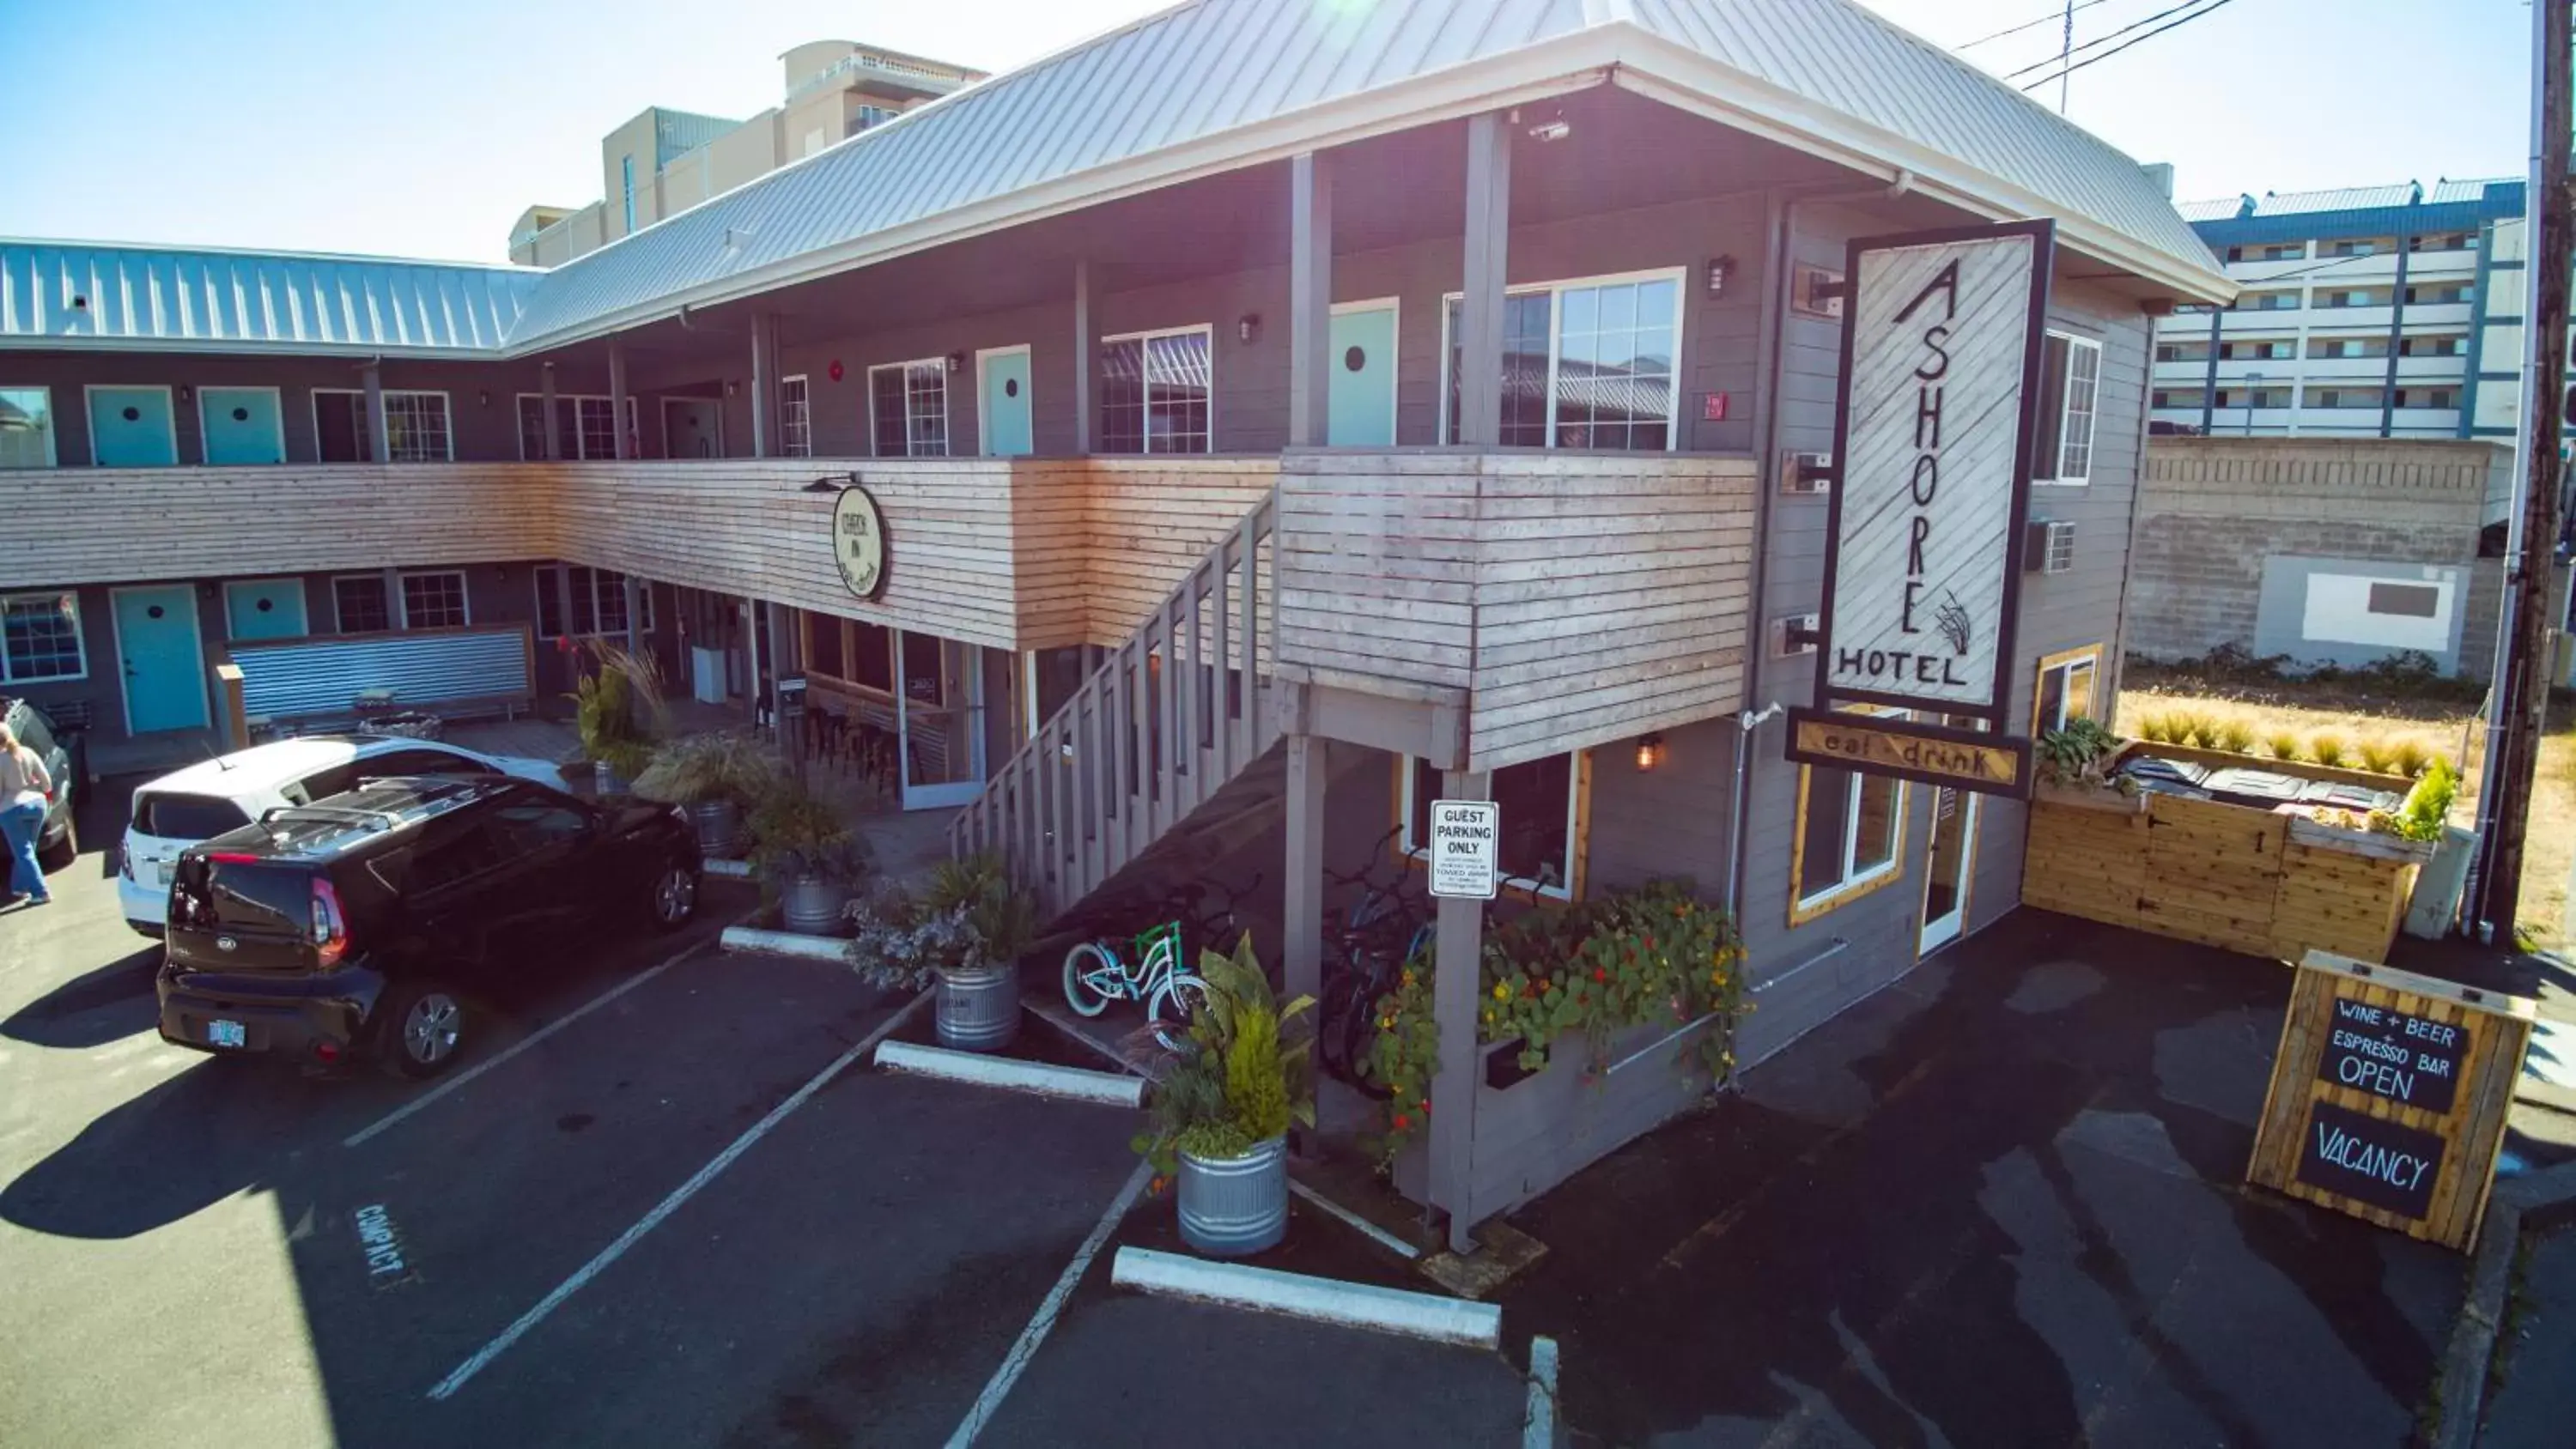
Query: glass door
{"type": "Point", "coordinates": [1947, 866]}
{"type": "Point", "coordinates": [941, 693]}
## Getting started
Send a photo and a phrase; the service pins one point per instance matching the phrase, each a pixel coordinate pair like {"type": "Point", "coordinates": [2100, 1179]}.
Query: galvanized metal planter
{"type": "Point", "coordinates": [605, 779]}
{"type": "Point", "coordinates": [719, 824]}
{"type": "Point", "coordinates": [1232, 1207]}
{"type": "Point", "coordinates": [812, 904]}
{"type": "Point", "coordinates": [979, 1011]}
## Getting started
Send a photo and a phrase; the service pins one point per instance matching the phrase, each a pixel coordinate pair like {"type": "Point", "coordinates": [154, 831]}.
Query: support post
{"type": "Point", "coordinates": [1086, 356]}
{"type": "Point", "coordinates": [764, 384]}
{"type": "Point", "coordinates": [781, 652]}
{"type": "Point", "coordinates": [380, 445]}
{"type": "Point", "coordinates": [1480, 311]}
{"type": "Point", "coordinates": [553, 425]}
{"type": "Point", "coordinates": [1454, 981]}
{"type": "Point", "coordinates": [1310, 300]}
{"type": "Point", "coordinates": [563, 601]}
{"type": "Point", "coordinates": [634, 616]}
{"type": "Point", "coordinates": [620, 402]}
{"type": "Point", "coordinates": [1303, 883]}
{"type": "Point", "coordinates": [2521, 685]}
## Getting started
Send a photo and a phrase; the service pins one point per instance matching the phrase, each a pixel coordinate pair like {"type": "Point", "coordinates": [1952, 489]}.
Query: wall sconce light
{"type": "Point", "coordinates": [1247, 326]}
{"type": "Point", "coordinates": [483, 399]}
{"type": "Point", "coordinates": [1650, 752]}
{"type": "Point", "coordinates": [729, 387]}
{"type": "Point", "coordinates": [1720, 269]}
{"type": "Point", "coordinates": [956, 362]}
{"type": "Point", "coordinates": [187, 394]}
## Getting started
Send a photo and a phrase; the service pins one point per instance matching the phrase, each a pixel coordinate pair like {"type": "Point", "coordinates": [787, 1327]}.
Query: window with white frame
{"type": "Point", "coordinates": [1157, 392]}
{"type": "Point", "coordinates": [1589, 363]}
{"type": "Point", "coordinates": [434, 600]}
{"type": "Point", "coordinates": [2070, 383]}
{"type": "Point", "coordinates": [359, 604]}
{"type": "Point", "coordinates": [2065, 690]}
{"type": "Point", "coordinates": [908, 408]}
{"type": "Point", "coordinates": [416, 427]}
{"type": "Point", "coordinates": [40, 638]}
{"type": "Point", "coordinates": [26, 427]}
{"type": "Point", "coordinates": [585, 426]}
{"type": "Point", "coordinates": [795, 418]}
{"type": "Point", "coordinates": [598, 601]}
{"type": "Point", "coordinates": [1850, 837]}
{"type": "Point", "coordinates": [1539, 802]}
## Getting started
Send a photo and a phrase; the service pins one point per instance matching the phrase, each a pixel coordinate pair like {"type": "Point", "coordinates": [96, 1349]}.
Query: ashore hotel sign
{"type": "Point", "coordinates": [1933, 440]}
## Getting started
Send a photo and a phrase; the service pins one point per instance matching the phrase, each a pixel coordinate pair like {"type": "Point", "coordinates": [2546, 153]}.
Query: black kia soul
{"type": "Point", "coordinates": [352, 925]}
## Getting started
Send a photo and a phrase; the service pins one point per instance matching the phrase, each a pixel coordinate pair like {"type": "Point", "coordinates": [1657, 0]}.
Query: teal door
{"type": "Point", "coordinates": [264, 609]}
{"type": "Point", "coordinates": [129, 427]}
{"type": "Point", "coordinates": [1005, 399]}
{"type": "Point", "coordinates": [241, 425]}
{"type": "Point", "coordinates": [692, 428]}
{"type": "Point", "coordinates": [1362, 395]}
{"type": "Point", "coordinates": [156, 641]}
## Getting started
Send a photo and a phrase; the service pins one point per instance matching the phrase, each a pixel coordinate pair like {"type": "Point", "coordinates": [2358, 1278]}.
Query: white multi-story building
{"type": "Point", "coordinates": [2379, 312]}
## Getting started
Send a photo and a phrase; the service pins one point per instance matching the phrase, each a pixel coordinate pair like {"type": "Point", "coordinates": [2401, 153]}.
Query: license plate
{"type": "Point", "coordinates": [226, 1034]}
{"type": "Point", "coordinates": [165, 872]}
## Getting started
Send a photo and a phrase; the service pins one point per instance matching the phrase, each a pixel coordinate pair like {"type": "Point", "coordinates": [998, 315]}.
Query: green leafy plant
{"type": "Point", "coordinates": [2410, 757]}
{"type": "Point", "coordinates": [2078, 754]}
{"type": "Point", "coordinates": [2377, 756]}
{"type": "Point", "coordinates": [2234, 736]}
{"type": "Point", "coordinates": [1002, 916]}
{"type": "Point", "coordinates": [696, 769]}
{"type": "Point", "coordinates": [2157, 728]}
{"type": "Point", "coordinates": [896, 943]}
{"type": "Point", "coordinates": [797, 836]}
{"type": "Point", "coordinates": [1244, 1075]}
{"type": "Point", "coordinates": [2327, 749]}
{"type": "Point", "coordinates": [2427, 808]}
{"type": "Point", "coordinates": [1624, 959]}
{"type": "Point", "coordinates": [2284, 745]}
{"type": "Point", "coordinates": [2190, 727]}
{"type": "Point", "coordinates": [617, 707]}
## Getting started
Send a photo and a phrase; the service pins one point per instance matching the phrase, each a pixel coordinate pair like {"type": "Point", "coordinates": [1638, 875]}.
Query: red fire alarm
{"type": "Point", "coordinates": [836, 369]}
{"type": "Point", "coordinates": [1712, 407]}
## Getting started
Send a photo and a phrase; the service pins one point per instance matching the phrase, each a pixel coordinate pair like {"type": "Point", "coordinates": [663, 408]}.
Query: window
{"type": "Point", "coordinates": [2347, 398]}
{"type": "Point", "coordinates": [2356, 247]}
{"type": "Point", "coordinates": [2266, 302]}
{"type": "Point", "coordinates": [2444, 241]}
{"type": "Point", "coordinates": [872, 656]}
{"type": "Point", "coordinates": [795, 419]}
{"type": "Point", "coordinates": [1539, 801]}
{"type": "Point", "coordinates": [2253, 397]}
{"type": "Point", "coordinates": [598, 601]}
{"type": "Point", "coordinates": [2182, 352]}
{"type": "Point", "coordinates": [2178, 398]}
{"type": "Point", "coordinates": [420, 762]}
{"type": "Point", "coordinates": [434, 601]}
{"type": "Point", "coordinates": [26, 427]}
{"type": "Point", "coordinates": [2437, 294]}
{"type": "Point", "coordinates": [585, 426]}
{"type": "Point", "coordinates": [2347, 347]}
{"type": "Point", "coordinates": [40, 638]}
{"type": "Point", "coordinates": [1586, 364]}
{"type": "Point", "coordinates": [415, 425]}
{"type": "Point", "coordinates": [1851, 837]}
{"type": "Point", "coordinates": [1157, 392]}
{"type": "Point", "coordinates": [2065, 688]}
{"type": "Point", "coordinates": [2432, 347]}
{"type": "Point", "coordinates": [908, 409]}
{"type": "Point", "coordinates": [2428, 397]}
{"type": "Point", "coordinates": [2070, 382]}
{"type": "Point", "coordinates": [531, 822]}
{"type": "Point", "coordinates": [358, 603]}
{"type": "Point", "coordinates": [2244, 351]}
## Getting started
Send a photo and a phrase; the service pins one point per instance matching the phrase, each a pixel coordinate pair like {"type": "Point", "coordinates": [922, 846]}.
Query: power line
{"type": "Point", "coordinates": [2098, 40]}
{"type": "Point", "coordinates": [2057, 14]}
{"type": "Point", "coordinates": [2115, 50]}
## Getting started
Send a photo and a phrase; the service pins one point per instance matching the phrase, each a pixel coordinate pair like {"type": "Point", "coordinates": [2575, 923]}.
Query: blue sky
{"type": "Point", "coordinates": [424, 130]}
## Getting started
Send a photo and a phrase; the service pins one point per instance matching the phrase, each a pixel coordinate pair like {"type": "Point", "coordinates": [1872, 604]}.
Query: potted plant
{"type": "Point", "coordinates": [617, 707]}
{"type": "Point", "coordinates": [2075, 764]}
{"type": "Point", "coordinates": [982, 925]}
{"type": "Point", "coordinates": [714, 775]}
{"type": "Point", "coordinates": [1223, 1105]}
{"type": "Point", "coordinates": [806, 852]}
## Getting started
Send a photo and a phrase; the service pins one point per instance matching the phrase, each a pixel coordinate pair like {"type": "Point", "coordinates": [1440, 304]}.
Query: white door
{"type": "Point", "coordinates": [1946, 868]}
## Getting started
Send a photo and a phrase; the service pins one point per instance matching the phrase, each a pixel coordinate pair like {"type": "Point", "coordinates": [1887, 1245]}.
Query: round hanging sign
{"type": "Point", "coordinates": [859, 542]}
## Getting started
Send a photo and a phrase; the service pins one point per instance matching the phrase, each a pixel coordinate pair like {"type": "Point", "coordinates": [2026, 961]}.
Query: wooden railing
{"type": "Point", "coordinates": [1177, 712]}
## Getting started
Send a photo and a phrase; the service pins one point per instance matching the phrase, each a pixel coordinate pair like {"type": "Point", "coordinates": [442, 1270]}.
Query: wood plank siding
{"type": "Point", "coordinates": [1580, 598]}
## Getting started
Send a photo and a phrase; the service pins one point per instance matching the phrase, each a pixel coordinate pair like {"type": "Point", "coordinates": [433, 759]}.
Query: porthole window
{"type": "Point", "coordinates": [1354, 359]}
{"type": "Point", "coordinates": [241, 415]}
{"type": "Point", "coordinates": [267, 604]}
{"type": "Point", "coordinates": [1011, 387]}
{"type": "Point", "coordinates": [133, 415]}
{"type": "Point", "coordinates": [153, 612]}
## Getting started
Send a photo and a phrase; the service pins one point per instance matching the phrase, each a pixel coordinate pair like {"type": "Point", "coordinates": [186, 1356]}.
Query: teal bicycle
{"type": "Point", "coordinates": [1095, 974]}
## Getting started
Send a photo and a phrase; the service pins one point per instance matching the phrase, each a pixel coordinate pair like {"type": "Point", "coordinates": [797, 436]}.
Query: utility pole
{"type": "Point", "coordinates": [2521, 689]}
{"type": "Point", "coordinates": [2065, 53]}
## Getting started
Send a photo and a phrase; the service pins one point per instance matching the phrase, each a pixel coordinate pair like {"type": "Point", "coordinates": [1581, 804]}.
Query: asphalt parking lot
{"type": "Point", "coordinates": [666, 1201]}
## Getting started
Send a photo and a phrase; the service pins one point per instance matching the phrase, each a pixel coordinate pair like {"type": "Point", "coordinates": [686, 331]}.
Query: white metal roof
{"type": "Point", "coordinates": [2349, 198]}
{"type": "Point", "coordinates": [1212, 85]}
{"type": "Point", "coordinates": [2467, 190]}
{"type": "Point", "coordinates": [76, 294]}
{"type": "Point", "coordinates": [2225, 208]}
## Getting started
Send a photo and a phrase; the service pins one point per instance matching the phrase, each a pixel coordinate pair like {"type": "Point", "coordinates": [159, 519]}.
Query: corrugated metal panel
{"type": "Point", "coordinates": [76, 294]}
{"type": "Point", "coordinates": [297, 681]}
{"type": "Point", "coordinates": [678, 132]}
{"type": "Point", "coordinates": [2220, 210]}
{"type": "Point", "coordinates": [2349, 198]}
{"type": "Point", "coordinates": [2445, 190]}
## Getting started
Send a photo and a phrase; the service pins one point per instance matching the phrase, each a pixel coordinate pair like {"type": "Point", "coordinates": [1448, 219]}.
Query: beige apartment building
{"type": "Point", "coordinates": [662, 161]}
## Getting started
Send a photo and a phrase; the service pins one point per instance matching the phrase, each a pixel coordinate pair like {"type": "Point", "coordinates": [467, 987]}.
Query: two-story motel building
{"type": "Point", "coordinates": [1277, 412]}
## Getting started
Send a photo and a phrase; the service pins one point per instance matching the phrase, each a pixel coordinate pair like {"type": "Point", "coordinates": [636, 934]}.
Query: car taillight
{"type": "Point", "coordinates": [125, 861]}
{"type": "Point", "coordinates": [330, 928]}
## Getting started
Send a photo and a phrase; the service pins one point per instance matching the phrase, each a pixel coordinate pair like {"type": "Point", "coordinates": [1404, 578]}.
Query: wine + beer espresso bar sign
{"type": "Point", "coordinates": [1933, 439]}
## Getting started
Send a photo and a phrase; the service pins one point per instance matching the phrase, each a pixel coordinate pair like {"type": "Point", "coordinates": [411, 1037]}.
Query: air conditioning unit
{"type": "Point", "coordinates": [1806, 475]}
{"type": "Point", "coordinates": [2048, 547]}
{"type": "Point", "coordinates": [1793, 635]}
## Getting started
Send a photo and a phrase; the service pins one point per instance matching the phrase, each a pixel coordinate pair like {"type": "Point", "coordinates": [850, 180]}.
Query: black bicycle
{"type": "Point", "coordinates": [1387, 924]}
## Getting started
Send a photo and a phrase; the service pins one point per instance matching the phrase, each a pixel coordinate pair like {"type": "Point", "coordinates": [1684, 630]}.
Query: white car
{"type": "Point", "coordinates": [213, 796]}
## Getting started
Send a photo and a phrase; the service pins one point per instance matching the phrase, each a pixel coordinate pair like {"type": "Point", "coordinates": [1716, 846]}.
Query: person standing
{"type": "Point", "coordinates": [24, 786]}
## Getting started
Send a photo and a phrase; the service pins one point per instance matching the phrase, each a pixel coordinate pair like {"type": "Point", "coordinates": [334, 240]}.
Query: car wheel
{"type": "Point", "coordinates": [423, 1031]}
{"type": "Point", "coordinates": [675, 897]}
{"type": "Point", "coordinates": [64, 851]}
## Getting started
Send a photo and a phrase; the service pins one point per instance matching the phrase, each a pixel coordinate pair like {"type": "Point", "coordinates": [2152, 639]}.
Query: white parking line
{"type": "Point", "coordinates": [1017, 1360]}
{"type": "Point", "coordinates": [422, 1101]}
{"type": "Point", "coordinates": [482, 1359]}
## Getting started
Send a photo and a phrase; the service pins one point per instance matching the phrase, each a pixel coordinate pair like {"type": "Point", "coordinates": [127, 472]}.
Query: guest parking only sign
{"type": "Point", "coordinates": [1466, 848]}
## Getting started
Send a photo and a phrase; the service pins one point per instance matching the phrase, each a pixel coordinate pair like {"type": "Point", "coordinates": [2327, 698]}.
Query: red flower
{"type": "Point", "coordinates": [1600, 975]}
{"type": "Point", "coordinates": [1399, 1122]}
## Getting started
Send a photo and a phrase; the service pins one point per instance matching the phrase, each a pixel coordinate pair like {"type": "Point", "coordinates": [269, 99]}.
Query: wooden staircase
{"type": "Point", "coordinates": [1170, 746]}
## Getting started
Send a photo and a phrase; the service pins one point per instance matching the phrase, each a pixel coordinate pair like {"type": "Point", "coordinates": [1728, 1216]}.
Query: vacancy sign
{"type": "Point", "coordinates": [1466, 848]}
{"type": "Point", "coordinates": [1940, 368]}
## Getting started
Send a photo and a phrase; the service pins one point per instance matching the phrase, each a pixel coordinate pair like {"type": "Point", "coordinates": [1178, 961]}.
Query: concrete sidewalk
{"type": "Point", "coordinates": [2000, 1203]}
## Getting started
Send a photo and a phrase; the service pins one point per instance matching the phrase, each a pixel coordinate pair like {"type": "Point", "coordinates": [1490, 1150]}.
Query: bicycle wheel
{"type": "Point", "coordinates": [1359, 1041]}
{"type": "Point", "coordinates": [1087, 959]}
{"type": "Point", "coordinates": [1181, 997]}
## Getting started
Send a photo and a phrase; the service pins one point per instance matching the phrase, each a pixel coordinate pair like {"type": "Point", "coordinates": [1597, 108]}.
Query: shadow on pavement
{"type": "Point", "coordinates": [92, 1009]}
